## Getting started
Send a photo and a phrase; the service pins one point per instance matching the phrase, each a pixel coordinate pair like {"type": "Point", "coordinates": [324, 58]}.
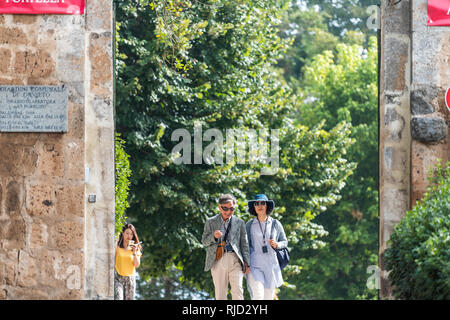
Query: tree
{"type": "Point", "coordinates": [345, 15]}
{"type": "Point", "coordinates": [343, 87]}
{"type": "Point", "coordinates": [211, 64]}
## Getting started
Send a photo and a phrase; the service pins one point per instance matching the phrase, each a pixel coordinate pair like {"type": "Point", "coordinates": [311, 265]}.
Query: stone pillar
{"type": "Point", "coordinates": [99, 236]}
{"type": "Point", "coordinates": [395, 137]}
{"type": "Point", "coordinates": [53, 243]}
{"type": "Point", "coordinates": [414, 124]}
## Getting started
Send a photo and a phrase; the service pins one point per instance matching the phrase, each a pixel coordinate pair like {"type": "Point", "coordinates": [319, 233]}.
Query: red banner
{"type": "Point", "coordinates": [439, 12]}
{"type": "Point", "coordinates": [42, 6]}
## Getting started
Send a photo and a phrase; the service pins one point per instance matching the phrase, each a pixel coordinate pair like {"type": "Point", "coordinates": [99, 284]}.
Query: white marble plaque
{"type": "Point", "coordinates": [33, 108]}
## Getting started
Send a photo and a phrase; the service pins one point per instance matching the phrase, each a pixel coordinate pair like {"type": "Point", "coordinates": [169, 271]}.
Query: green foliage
{"type": "Point", "coordinates": [341, 85]}
{"type": "Point", "coordinates": [122, 176]}
{"type": "Point", "coordinates": [211, 63]}
{"type": "Point", "coordinates": [345, 15]}
{"type": "Point", "coordinates": [419, 247]}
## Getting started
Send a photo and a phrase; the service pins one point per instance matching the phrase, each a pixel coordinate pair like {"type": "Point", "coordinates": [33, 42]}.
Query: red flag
{"type": "Point", "coordinates": [42, 6]}
{"type": "Point", "coordinates": [439, 12]}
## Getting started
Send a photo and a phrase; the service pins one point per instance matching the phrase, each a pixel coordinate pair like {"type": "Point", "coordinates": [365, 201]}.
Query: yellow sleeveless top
{"type": "Point", "coordinates": [124, 262]}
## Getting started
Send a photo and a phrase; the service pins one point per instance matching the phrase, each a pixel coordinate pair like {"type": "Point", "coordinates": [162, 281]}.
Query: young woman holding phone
{"type": "Point", "coordinates": [127, 259]}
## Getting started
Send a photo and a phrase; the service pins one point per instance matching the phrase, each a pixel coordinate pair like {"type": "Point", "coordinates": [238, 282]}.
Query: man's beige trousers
{"type": "Point", "coordinates": [228, 270]}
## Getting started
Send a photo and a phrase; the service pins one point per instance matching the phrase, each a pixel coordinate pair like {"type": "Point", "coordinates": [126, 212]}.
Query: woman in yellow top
{"type": "Point", "coordinates": [128, 252]}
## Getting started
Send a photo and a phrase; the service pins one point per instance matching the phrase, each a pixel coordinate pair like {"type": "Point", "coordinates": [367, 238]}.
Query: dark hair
{"type": "Point", "coordinates": [135, 236]}
{"type": "Point", "coordinates": [269, 210]}
{"type": "Point", "coordinates": [226, 198]}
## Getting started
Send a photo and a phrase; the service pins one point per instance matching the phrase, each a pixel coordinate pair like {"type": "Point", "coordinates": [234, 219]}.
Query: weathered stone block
{"type": "Point", "coordinates": [396, 58]}
{"type": "Point", "coordinates": [99, 15]}
{"type": "Point", "coordinates": [13, 199]}
{"type": "Point", "coordinates": [419, 12]}
{"type": "Point", "coordinates": [425, 67]}
{"type": "Point", "coordinates": [397, 18]}
{"type": "Point", "coordinates": [417, 195]}
{"type": "Point", "coordinates": [34, 64]}
{"type": "Point", "coordinates": [68, 235]}
{"type": "Point", "coordinates": [17, 160]}
{"type": "Point", "coordinates": [394, 124]}
{"type": "Point", "coordinates": [100, 53]}
{"type": "Point", "coordinates": [69, 63]}
{"type": "Point", "coordinates": [428, 129]}
{"type": "Point", "coordinates": [24, 18]}
{"type": "Point", "coordinates": [5, 60]}
{"type": "Point", "coordinates": [12, 36]}
{"type": "Point", "coordinates": [40, 200]}
{"type": "Point", "coordinates": [18, 140]}
{"type": "Point", "coordinates": [42, 81]}
{"type": "Point", "coordinates": [53, 269]}
{"type": "Point", "coordinates": [395, 159]}
{"type": "Point", "coordinates": [421, 100]}
{"type": "Point", "coordinates": [395, 204]}
{"type": "Point", "coordinates": [9, 270]}
{"type": "Point", "coordinates": [76, 121]}
{"type": "Point", "coordinates": [15, 234]}
{"type": "Point", "coordinates": [62, 269]}
{"type": "Point", "coordinates": [27, 270]}
{"type": "Point", "coordinates": [69, 295]}
{"type": "Point", "coordinates": [12, 81]}
{"type": "Point", "coordinates": [39, 235]}
{"type": "Point", "coordinates": [70, 201]}
{"type": "Point", "coordinates": [74, 167]}
{"type": "Point", "coordinates": [31, 294]}
{"type": "Point", "coordinates": [51, 160]}
{"type": "Point", "coordinates": [444, 59]}
{"type": "Point", "coordinates": [103, 109]}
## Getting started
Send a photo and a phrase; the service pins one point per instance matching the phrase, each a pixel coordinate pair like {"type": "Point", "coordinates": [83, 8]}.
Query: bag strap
{"type": "Point", "coordinates": [274, 221]}
{"type": "Point", "coordinates": [228, 230]}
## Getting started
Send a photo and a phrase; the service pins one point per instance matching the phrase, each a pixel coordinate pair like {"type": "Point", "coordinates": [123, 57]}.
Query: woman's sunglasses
{"type": "Point", "coordinates": [226, 209]}
{"type": "Point", "coordinates": [260, 203]}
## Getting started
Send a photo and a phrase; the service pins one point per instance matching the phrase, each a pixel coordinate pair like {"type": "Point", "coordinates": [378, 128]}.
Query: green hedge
{"type": "Point", "coordinates": [419, 247]}
{"type": "Point", "coordinates": [122, 174]}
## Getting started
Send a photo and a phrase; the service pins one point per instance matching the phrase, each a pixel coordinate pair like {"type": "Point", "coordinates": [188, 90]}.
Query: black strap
{"type": "Point", "coordinates": [226, 232]}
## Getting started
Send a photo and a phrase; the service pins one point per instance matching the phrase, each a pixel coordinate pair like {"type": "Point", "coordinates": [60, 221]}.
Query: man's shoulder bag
{"type": "Point", "coordinates": [221, 246]}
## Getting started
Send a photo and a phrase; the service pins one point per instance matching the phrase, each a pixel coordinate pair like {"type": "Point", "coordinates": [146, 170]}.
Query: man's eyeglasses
{"type": "Point", "coordinates": [226, 209]}
{"type": "Point", "coordinates": [260, 203]}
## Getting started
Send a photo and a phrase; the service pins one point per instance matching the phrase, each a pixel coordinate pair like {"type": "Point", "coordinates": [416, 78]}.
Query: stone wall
{"type": "Point", "coordinates": [430, 80]}
{"type": "Point", "coordinates": [413, 118]}
{"type": "Point", "coordinates": [53, 244]}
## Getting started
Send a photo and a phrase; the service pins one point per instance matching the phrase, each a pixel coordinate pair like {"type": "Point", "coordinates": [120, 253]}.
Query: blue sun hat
{"type": "Point", "coordinates": [260, 197]}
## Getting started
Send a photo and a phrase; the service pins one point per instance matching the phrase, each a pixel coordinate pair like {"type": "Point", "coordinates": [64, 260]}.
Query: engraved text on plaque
{"type": "Point", "coordinates": [33, 108]}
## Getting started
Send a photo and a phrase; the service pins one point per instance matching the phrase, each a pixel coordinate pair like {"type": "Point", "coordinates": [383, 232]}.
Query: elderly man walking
{"type": "Point", "coordinates": [226, 232]}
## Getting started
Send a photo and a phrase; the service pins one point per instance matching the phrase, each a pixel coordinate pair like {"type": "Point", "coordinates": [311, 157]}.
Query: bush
{"type": "Point", "coordinates": [122, 174]}
{"type": "Point", "coordinates": [419, 247]}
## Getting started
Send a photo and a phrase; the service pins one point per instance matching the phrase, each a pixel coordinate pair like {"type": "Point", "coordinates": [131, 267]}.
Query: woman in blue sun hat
{"type": "Point", "coordinates": [265, 235]}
